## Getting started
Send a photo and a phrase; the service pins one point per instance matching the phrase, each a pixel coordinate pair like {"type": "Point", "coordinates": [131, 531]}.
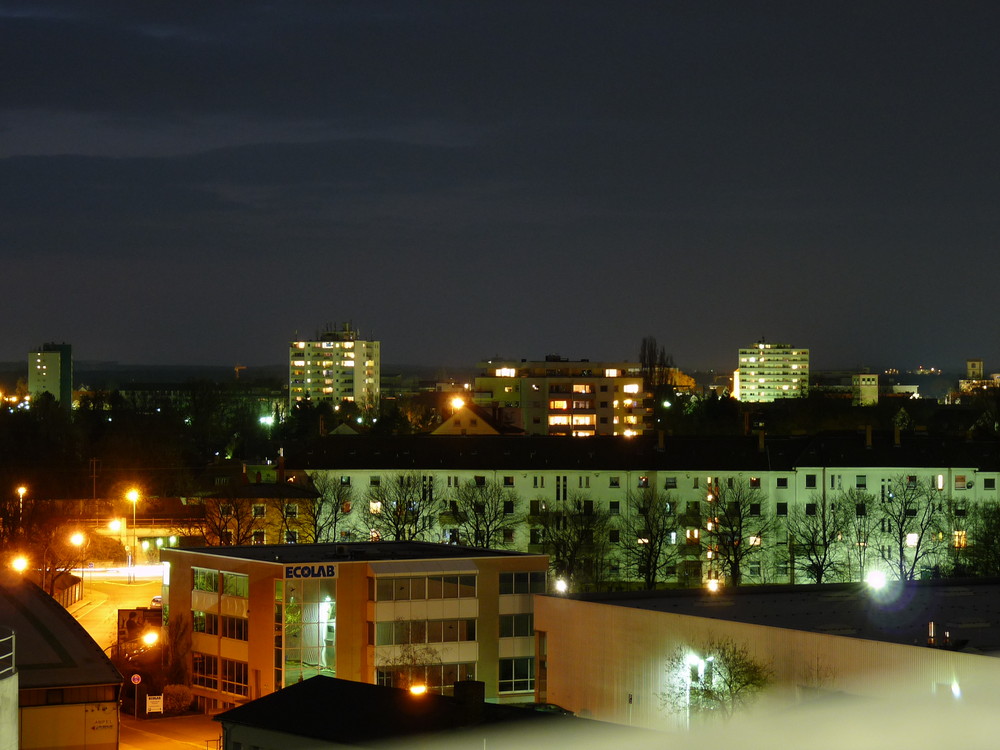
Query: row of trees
{"type": "Point", "coordinates": [910, 529]}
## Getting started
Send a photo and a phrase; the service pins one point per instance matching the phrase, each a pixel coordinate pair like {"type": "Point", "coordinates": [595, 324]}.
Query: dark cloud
{"type": "Point", "coordinates": [471, 179]}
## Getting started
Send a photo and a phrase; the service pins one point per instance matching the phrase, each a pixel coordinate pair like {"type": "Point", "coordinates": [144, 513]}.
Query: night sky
{"type": "Point", "coordinates": [194, 183]}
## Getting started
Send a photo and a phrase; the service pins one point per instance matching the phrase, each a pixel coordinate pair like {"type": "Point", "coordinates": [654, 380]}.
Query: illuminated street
{"type": "Point", "coordinates": [106, 590]}
{"type": "Point", "coordinates": [175, 733]}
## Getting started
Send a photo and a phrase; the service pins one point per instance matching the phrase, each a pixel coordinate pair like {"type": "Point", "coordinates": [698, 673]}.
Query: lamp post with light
{"type": "Point", "coordinates": [21, 492]}
{"type": "Point", "coordinates": [133, 497]}
{"type": "Point", "coordinates": [78, 540]}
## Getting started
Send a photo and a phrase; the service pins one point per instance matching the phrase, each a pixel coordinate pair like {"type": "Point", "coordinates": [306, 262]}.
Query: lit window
{"type": "Point", "coordinates": [559, 404]}
{"type": "Point", "coordinates": [912, 540]}
{"type": "Point", "coordinates": [959, 540]}
{"type": "Point", "coordinates": [506, 372]}
{"type": "Point", "coordinates": [631, 388]}
{"type": "Point", "coordinates": [555, 419]}
{"type": "Point", "coordinates": [755, 541]}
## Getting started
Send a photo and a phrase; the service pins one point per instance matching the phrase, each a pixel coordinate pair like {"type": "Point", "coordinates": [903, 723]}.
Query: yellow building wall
{"type": "Point", "coordinates": [81, 726]}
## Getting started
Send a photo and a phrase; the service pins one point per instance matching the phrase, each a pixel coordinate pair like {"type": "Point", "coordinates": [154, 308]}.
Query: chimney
{"type": "Point", "coordinates": [281, 466]}
{"type": "Point", "coordinates": [471, 694]}
{"type": "Point", "coordinates": [245, 479]}
{"type": "Point", "coordinates": [760, 441]}
{"type": "Point", "coordinates": [746, 423]}
{"type": "Point", "coordinates": [895, 435]}
{"type": "Point", "coordinates": [661, 441]}
{"type": "Point", "coordinates": [868, 436]}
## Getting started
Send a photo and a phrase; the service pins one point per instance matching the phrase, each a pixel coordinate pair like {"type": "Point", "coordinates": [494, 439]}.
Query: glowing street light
{"type": "Point", "coordinates": [133, 497]}
{"type": "Point", "coordinates": [19, 563]}
{"type": "Point", "coordinates": [561, 586]}
{"type": "Point", "coordinates": [418, 689]}
{"type": "Point", "coordinates": [21, 492]}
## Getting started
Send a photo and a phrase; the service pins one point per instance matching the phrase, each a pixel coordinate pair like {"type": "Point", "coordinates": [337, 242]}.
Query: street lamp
{"type": "Point", "coordinates": [21, 492]}
{"type": "Point", "coordinates": [77, 540]}
{"type": "Point", "coordinates": [20, 563]}
{"type": "Point", "coordinates": [133, 497]}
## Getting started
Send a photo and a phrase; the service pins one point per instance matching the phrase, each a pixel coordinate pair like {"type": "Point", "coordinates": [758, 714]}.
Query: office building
{"type": "Point", "coordinates": [557, 396]}
{"type": "Point", "coordinates": [50, 370]}
{"type": "Point", "coordinates": [389, 613]}
{"type": "Point", "coordinates": [334, 366]}
{"type": "Point", "coordinates": [769, 372]}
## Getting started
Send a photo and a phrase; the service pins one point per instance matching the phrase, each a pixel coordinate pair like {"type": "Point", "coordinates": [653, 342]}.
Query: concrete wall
{"type": "Point", "coordinates": [598, 655]}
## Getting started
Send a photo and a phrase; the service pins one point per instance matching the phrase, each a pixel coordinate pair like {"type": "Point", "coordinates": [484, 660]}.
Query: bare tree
{"type": "Point", "coordinates": [287, 523]}
{"type": "Point", "coordinates": [910, 520]}
{"type": "Point", "coordinates": [860, 529]}
{"type": "Point", "coordinates": [719, 677]}
{"type": "Point", "coordinates": [401, 507]}
{"type": "Point", "coordinates": [407, 665]}
{"type": "Point", "coordinates": [575, 536]}
{"type": "Point", "coordinates": [984, 539]}
{"type": "Point", "coordinates": [814, 531]}
{"type": "Point", "coordinates": [229, 521]}
{"type": "Point", "coordinates": [735, 525]}
{"type": "Point", "coordinates": [485, 513]}
{"type": "Point", "coordinates": [647, 539]}
{"type": "Point", "coordinates": [655, 364]}
{"type": "Point", "coordinates": [321, 517]}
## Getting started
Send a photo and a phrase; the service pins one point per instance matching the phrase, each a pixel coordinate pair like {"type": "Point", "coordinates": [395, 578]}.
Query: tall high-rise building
{"type": "Point", "coordinates": [50, 370]}
{"type": "Point", "coordinates": [336, 365]}
{"type": "Point", "coordinates": [768, 372]}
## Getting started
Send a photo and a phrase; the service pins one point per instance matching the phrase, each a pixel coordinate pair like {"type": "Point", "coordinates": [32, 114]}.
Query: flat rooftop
{"type": "Point", "coordinates": [354, 551]}
{"type": "Point", "coordinates": [968, 610]}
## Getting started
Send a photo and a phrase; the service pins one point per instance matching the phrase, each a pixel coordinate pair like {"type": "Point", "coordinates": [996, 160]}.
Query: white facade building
{"type": "Point", "coordinates": [788, 478]}
{"type": "Point", "coordinates": [334, 366]}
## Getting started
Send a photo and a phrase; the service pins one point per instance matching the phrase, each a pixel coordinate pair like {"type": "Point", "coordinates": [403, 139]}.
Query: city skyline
{"type": "Point", "coordinates": [501, 179]}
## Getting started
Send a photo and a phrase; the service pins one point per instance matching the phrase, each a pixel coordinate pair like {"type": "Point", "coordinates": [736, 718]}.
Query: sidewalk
{"type": "Point", "coordinates": [88, 602]}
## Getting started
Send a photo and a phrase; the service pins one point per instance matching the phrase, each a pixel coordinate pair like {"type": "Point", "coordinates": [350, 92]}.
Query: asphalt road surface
{"type": "Point", "coordinates": [108, 590]}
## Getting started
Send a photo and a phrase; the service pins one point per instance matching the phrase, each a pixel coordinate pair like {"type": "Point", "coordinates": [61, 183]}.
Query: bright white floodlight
{"type": "Point", "coordinates": [876, 580]}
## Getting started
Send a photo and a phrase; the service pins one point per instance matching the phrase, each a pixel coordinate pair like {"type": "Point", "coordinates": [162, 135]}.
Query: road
{"type": "Point", "coordinates": [106, 590]}
{"type": "Point", "coordinates": [175, 733]}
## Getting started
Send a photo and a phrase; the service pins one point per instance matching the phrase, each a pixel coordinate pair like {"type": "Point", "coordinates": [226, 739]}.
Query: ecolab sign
{"type": "Point", "coordinates": [311, 571]}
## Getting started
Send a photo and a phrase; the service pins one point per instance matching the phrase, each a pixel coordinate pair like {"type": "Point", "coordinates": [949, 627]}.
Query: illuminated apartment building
{"type": "Point", "coordinates": [50, 370]}
{"type": "Point", "coordinates": [557, 396]}
{"type": "Point", "coordinates": [768, 372]}
{"type": "Point", "coordinates": [334, 366]}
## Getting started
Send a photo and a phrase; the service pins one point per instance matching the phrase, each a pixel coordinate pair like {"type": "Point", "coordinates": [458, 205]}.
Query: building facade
{"type": "Point", "coordinates": [264, 617]}
{"type": "Point", "coordinates": [867, 657]}
{"type": "Point", "coordinates": [783, 483]}
{"type": "Point", "coordinates": [334, 366]}
{"type": "Point", "coordinates": [768, 372]}
{"type": "Point", "coordinates": [50, 370]}
{"type": "Point", "coordinates": [557, 396]}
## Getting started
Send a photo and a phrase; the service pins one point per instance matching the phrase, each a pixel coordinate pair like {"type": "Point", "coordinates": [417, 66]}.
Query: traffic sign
{"type": "Point", "coordinates": [136, 679]}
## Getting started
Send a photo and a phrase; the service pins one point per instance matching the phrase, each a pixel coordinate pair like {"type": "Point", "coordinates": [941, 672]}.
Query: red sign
{"type": "Point", "coordinates": [136, 679]}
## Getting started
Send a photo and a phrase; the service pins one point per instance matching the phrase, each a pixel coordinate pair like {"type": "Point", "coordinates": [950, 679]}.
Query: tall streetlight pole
{"type": "Point", "coordinates": [21, 492]}
{"type": "Point", "coordinates": [133, 497]}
